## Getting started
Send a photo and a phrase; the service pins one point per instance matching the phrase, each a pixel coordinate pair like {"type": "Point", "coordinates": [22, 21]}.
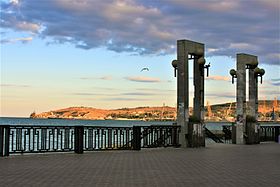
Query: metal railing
{"type": "Point", "coordinates": [106, 138]}
{"type": "Point", "coordinates": [35, 139]}
{"type": "Point", "coordinates": [40, 139]}
{"type": "Point", "coordinates": [156, 136]}
{"type": "Point", "coordinates": [211, 135]}
{"type": "Point", "coordinates": [269, 133]}
{"type": "Point", "coordinates": [266, 133]}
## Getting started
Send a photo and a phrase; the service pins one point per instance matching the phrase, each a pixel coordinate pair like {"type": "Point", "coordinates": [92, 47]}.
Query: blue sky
{"type": "Point", "coordinates": [61, 53]}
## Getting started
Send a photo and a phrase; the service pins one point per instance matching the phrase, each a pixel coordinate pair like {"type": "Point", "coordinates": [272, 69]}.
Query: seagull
{"type": "Point", "coordinates": [144, 69]}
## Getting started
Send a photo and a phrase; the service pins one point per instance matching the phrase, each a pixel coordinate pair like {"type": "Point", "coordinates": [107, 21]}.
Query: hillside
{"type": "Point", "coordinates": [218, 112]}
{"type": "Point", "coordinates": [148, 113]}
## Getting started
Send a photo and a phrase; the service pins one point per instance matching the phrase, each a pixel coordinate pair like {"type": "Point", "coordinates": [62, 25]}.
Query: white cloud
{"type": "Point", "coordinates": [106, 78]}
{"type": "Point", "coordinates": [15, 2]}
{"type": "Point", "coordinates": [13, 40]}
{"type": "Point", "coordinates": [143, 79]}
{"type": "Point", "coordinates": [32, 27]}
{"type": "Point", "coordinates": [218, 78]}
{"type": "Point", "coordinates": [212, 50]}
{"type": "Point", "coordinates": [15, 85]}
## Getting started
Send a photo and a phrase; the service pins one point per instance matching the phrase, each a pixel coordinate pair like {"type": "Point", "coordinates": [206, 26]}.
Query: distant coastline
{"type": "Point", "coordinates": [268, 111]}
{"type": "Point", "coordinates": [164, 113]}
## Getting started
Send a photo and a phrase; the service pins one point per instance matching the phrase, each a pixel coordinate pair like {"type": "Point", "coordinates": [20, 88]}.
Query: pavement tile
{"type": "Point", "coordinates": [216, 165]}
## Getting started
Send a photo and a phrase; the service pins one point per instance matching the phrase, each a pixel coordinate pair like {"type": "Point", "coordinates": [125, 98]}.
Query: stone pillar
{"type": "Point", "coordinates": [198, 102]}
{"type": "Point", "coordinates": [197, 90]}
{"type": "Point", "coordinates": [202, 110]}
{"type": "Point", "coordinates": [252, 93]}
{"type": "Point", "coordinates": [182, 91]}
{"type": "Point", "coordinates": [192, 134]}
{"type": "Point", "coordinates": [240, 100]}
{"type": "Point", "coordinates": [246, 127]}
{"type": "Point", "coordinates": [252, 127]}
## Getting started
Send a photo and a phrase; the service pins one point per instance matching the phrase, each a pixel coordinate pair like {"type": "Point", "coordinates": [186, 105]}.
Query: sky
{"type": "Point", "coordinates": [61, 53]}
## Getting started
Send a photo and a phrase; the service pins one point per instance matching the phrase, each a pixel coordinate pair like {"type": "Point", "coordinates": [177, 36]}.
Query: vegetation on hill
{"type": "Point", "coordinates": [217, 112]}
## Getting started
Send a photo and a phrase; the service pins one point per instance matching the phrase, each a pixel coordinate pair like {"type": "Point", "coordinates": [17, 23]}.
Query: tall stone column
{"type": "Point", "coordinates": [252, 93]}
{"type": "Point", "coordinates": [252, 125]}
{"type": "Point", "coordinates": [246, 127]}
{"type": "Point", "coordinates": [192, 134]}
{"type": "Point", "coordinates": [197, 90]}
{"type": "Point", "coordinates": [202, 110]}
{"type": "Point", "coordinates": [198, 102]}
{"type": "Point", "coordinates": [182, 91]}
{"type": "Point", "coordinates": [251, 122]}
{"type": "Point", "coordinates": [240, 99]}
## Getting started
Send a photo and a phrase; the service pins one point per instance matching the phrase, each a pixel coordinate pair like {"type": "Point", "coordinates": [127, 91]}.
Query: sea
{"type": "Point", "coordinates": [102, 123]}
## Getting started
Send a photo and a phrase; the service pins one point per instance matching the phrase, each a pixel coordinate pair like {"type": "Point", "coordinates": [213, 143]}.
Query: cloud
{"type": "Point", "coordinates": [106, 88]}
{"type": "Point", "coordinates": [221, 95]}
{"type": "Point", "coordinates": [275, 82]}
{"type": "Point", "coordinates": [138, 94]}
{"type": "Point", "coordinates": [152, 27]}
{"type": "Point", "coordinates": [15, 85]}
{"type": "Point", "coordinates": [269, 93]}
{"type": "Point", "coordinates": [86, 94]}
{"type": "Point", "coordinates": [15, 2]}
{"type": "Point", "coordinates": [108, 77]}
{"type": "Point", "coordinates": [125, 99]}
{"type": "Point", "coordinates": [13, 40]}
{"type": "Point", "coordinates": [156, 90]}
{"type": "Point", "coordinates": [275, 79]}
{"type": "Point", "coordinates": [218, 78]}
{"type": "Point", "coordinates": [93, 94]}
{"type": "Point", "coordinates": [143, 79]}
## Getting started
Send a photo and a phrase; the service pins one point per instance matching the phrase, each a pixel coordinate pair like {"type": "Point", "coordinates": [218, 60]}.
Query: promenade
{"type": "Point", "coordinates": [216, 165]}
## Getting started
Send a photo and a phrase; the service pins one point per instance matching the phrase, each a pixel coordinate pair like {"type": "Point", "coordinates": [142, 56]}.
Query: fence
{"type": "Point", "coordinates": [39, 139]}
{"type": "Point", "coordinates": [266, 133]}
{"type": "Point", "coordinates": [269, 133]}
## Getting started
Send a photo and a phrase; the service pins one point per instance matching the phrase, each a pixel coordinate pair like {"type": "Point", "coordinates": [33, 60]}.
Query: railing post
{"type": "Point", "coordinates": [79, 140]}
{"type": "Point", "coordinates": [4, 140]}
{"type": "Point", "coordinates": [136, 143]}
{"type": "Point", "coordinates": [7, 141]}
{"type": "Point", "coordinates": [277, 133]}
{"type": "Point", "coordinates": [1, 141]}
{"type": "Point", "coordinates": [175, 136]}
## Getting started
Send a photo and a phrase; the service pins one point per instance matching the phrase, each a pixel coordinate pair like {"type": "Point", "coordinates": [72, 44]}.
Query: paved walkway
{"type": "Point", "coordinates": [217, 165]}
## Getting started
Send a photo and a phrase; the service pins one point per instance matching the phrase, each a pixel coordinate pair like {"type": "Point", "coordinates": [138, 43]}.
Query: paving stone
{"type": "Point", "coordinates": [216, 165]}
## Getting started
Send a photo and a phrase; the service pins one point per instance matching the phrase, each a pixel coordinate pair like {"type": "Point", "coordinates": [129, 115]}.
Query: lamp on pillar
{"type": "Point", "coordinates": [207, 67]}
{"type": "Point", "coordinates": [201, 61]}
{"type": "Point", "coordinates": [232, 72]}
{"type": "Point", "coordinates": [175, 64]}
{"type": "Point", "coordinates": [259, 73]}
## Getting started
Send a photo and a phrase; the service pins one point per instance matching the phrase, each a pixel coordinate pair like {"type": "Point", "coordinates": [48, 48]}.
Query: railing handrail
{"type": "Point", "coordinates": [94, 126]}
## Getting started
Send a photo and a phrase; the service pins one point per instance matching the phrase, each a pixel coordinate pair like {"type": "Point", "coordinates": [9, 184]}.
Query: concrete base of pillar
{"type": "Point", "coordinates": [183, 137]}
{"type": "Point", "coordinates": [196, 135]}
{"type": "Point", "coordinates": [252, 133]}
{"type": "Point", "coordinates": [239, 133]}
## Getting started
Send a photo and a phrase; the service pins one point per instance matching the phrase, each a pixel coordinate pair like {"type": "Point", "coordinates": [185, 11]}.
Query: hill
{"type": "Point", "coordinates": [217, 112]}
{"type": "Point", "coordinates": [143, 113]}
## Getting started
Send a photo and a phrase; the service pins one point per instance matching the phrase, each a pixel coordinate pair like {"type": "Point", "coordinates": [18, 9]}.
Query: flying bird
{"type": "Point", "coordinates": [144, 69]}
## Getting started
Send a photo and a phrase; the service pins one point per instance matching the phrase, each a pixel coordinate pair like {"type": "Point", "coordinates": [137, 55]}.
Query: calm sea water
{"type": "Point", "coordinates": [106, 123]}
